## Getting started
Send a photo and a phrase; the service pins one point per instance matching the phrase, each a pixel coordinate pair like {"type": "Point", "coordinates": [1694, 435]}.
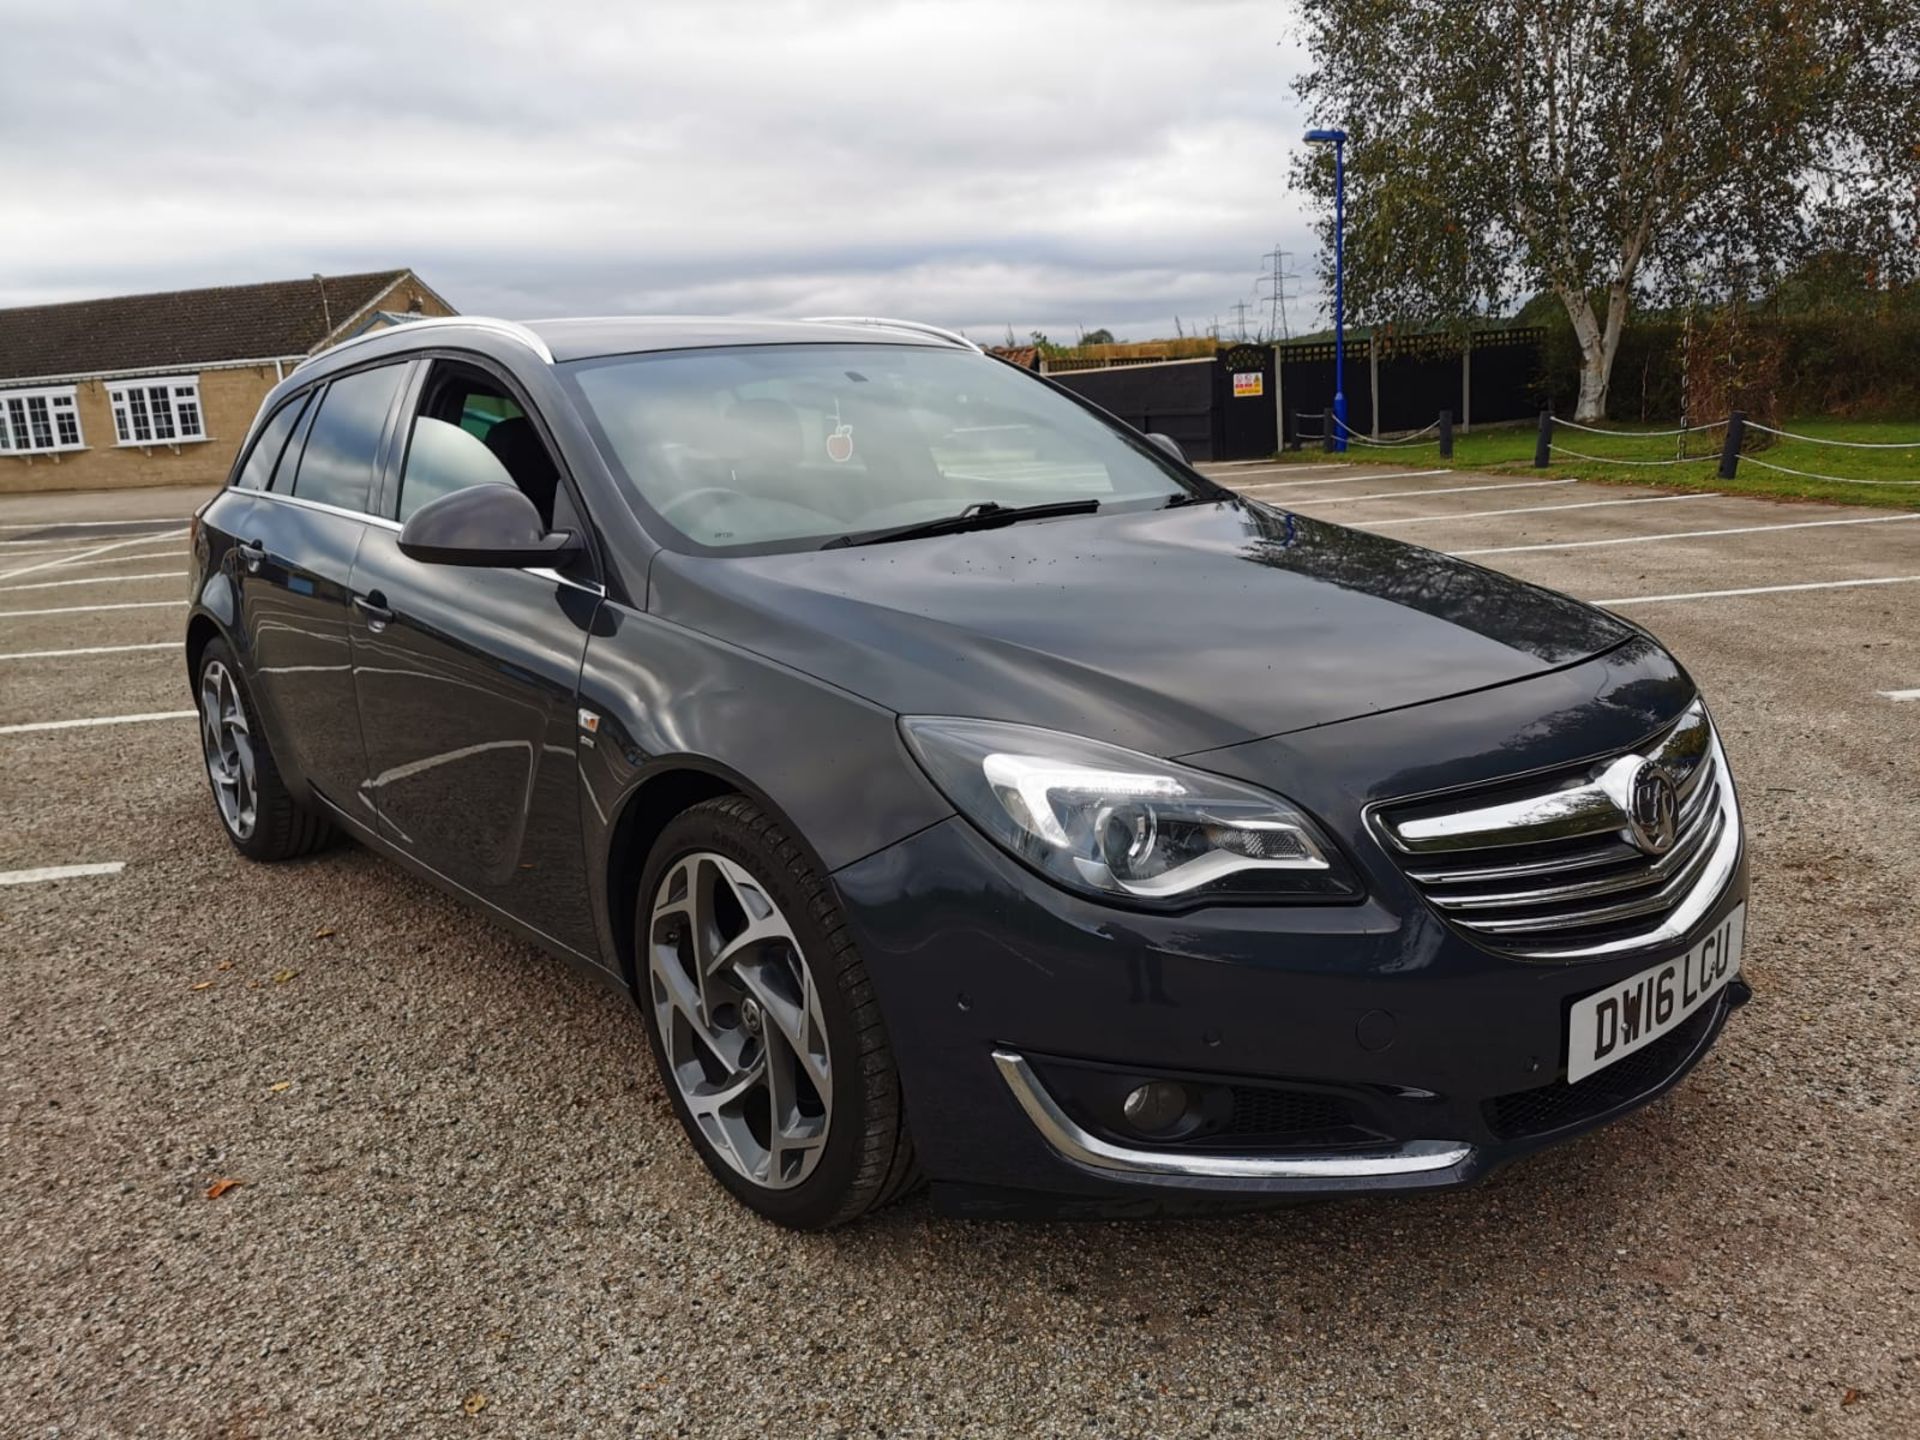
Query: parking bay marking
{"type": "Point", "coordinates": [88, 650]}
{"type": "Point", "coordinates": [1537, 509]}
{"type": "Point", "coordinates": [1404, 494]}
{"type": "Point", "coordinates": [93, 720]}
{"type": "Point", "coordinates": [1759, 590]}
{"type": "Point", "coordinates": [87, 554]}
{"type": "Point", "coordinates": [1681, 535]}
{"type": "Point", "coordinates": [1901, 694]}
{"type": "Point", "coordinates": [95, 580]}
{"type": "Point", "coordinates": [89, 609]}
{"type": "Point", "coordinates": [86, 524]}
{"type": "Point", "coordinates": [60, 872]}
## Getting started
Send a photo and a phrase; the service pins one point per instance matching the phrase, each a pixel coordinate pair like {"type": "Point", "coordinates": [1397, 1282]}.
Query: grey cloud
{"type": "Point", "coordinates": [980, 165]}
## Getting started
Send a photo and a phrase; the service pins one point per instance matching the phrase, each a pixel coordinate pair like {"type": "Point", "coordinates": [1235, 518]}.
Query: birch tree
{"type": "Point", "coordinates": [1584, 147]}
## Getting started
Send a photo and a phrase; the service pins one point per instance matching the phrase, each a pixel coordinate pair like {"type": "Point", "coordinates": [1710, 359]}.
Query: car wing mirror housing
{"type": "Point", "coordinates": [1170, 445]}
{"type": "Point", "coordinates": [493, 525]}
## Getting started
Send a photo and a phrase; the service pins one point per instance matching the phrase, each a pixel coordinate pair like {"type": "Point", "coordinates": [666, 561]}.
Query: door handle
{"type": "Point", "coordinates": [253, 553]}
{"type": "Point", "coordinates": [373, 605]}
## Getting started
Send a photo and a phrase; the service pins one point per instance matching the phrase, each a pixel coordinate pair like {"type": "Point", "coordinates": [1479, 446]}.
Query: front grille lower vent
{"type": "Point", "coordinates": [1547, 1108]}
{"type": "Point", "coordinates": [1554, 866]}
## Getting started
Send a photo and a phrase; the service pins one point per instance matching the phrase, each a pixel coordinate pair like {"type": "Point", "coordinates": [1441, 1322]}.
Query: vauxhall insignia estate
{"type": "Point", "coordinates": [966, 790]}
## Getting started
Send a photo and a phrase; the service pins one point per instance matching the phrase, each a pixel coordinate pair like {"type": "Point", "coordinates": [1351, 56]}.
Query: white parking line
{"type": "Point", "coordinates": [1450, 490]}
{"type": "Point", "coordinates": [87, 554]}
{"type": "Point", "coordinates": [98, 720]}
{"type": "Point", "coordinates": [1759, 590]}
{"type": "Point", "coordinates": [1264, 469]}
{"type": "Point", "coordinates": [1537, 509]}
{"type": "Point", "coordinates": [89, 609]}
{"type": "Point", "coordinates": [88, 650]}
{"type": "Point", "coordinates": [1682, 535]}
{"type": "Point", "coordinates": [1344, 479]}
{"type": "Point", "coordinates": [87, 524]}
{"type": "Point", "coordinates": [60, 872]}
{"type": "Point", "coordinates": [131, 557]}
{"type": "Point", "coordinates": [1901, 694]}
{"type": "Point", "coordinates": [95, 580]}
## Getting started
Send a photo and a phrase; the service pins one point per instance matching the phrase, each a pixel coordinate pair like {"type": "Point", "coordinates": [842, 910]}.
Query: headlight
{"type": "Point", "coordinates": [1116, 824]}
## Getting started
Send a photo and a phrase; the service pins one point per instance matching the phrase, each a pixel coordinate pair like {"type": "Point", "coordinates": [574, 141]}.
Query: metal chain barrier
{"type": "Point", "coordinates": [1683, 430]}
{"type": "Point", "coordinates": [1411, 438]}
{"type": "Point", "coordinates": [1613, 460]}
{"type": "Point", "coordinates": [1809, 475]}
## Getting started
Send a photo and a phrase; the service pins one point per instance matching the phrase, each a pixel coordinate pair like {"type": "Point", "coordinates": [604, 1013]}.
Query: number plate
{"type": "Point", "coordinates": [1625, 1017]}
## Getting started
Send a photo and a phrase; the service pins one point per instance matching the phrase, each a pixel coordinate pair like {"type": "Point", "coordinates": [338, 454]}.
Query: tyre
{"type": "Point", "coordinates": [261, 818]}
{"type": "Point", "coordinates": [764, 1024]}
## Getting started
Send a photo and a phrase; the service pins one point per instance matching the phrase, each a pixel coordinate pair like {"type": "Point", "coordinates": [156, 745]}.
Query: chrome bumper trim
{"type": "Point", "coordinates": [1071, 1142]}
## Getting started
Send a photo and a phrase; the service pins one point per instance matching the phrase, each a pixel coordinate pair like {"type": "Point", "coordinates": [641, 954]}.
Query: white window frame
{"type": "Point", "coordinates": [58, 410]}
{"type": "Point", "coordinates": [149, 412]}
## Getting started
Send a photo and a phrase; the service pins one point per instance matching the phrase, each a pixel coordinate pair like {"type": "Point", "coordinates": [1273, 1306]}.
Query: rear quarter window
{"type": "Point", "coordinates": [270, 444]}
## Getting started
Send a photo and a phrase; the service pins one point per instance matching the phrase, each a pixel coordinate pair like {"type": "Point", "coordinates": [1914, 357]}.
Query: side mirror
{"type": "Point", "coordinates": [1170, 445]}
{"type": "Point", "coordinates": [485, 525]}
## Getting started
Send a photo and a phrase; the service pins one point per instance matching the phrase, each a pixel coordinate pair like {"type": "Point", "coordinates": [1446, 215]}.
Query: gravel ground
{"type": "Point", "coordinates": [464, 1208]}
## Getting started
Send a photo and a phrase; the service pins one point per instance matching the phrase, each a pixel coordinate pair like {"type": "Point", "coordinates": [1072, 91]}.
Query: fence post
{"type": "Point", "coordinates": [1730, 451]}
{"type": "Point", "coordinates": [1326, 431]}
{"type": "Point", "coordinates": [1543, 446]}
{"type": "Point", "coordinates": [1446, 434]}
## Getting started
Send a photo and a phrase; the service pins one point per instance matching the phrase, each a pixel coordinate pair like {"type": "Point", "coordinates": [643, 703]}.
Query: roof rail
{"type": "Point", "coordinates": [506, 328]}
{"type": "Point", "coordinates": [952, 337]}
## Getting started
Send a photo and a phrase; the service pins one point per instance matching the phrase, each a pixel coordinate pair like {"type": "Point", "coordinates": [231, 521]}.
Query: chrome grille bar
{"type": "Point", "coordinates": [1549, 869]}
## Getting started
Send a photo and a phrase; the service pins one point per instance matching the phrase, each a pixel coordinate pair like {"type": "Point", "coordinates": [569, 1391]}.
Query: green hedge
{"type": "Point", "coordinates": [1852, 365]}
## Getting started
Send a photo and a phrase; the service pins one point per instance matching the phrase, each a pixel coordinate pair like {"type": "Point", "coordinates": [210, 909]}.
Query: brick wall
{"type": "Point", "coordinates": [229, 399]}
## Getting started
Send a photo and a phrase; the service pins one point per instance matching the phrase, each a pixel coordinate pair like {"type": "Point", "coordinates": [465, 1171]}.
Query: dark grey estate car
{"type": "Point", "coordinates": [962, 786]}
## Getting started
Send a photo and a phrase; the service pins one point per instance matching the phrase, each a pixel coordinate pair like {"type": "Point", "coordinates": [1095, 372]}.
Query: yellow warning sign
{"type": "Point", "coordinates": [1249, 383]}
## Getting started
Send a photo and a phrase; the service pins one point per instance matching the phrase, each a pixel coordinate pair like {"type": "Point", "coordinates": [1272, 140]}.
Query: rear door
{"type": "Point", "coordinates": [467, 677]}
{"type": "Point", "coordinates": [296, 545]}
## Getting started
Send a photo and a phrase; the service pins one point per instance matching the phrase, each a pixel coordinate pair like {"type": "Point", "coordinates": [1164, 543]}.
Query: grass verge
{"type": "Point", "coordinates": [1625, 455]}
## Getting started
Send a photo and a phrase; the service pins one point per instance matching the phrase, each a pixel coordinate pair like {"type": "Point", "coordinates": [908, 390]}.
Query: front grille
{"type": "Point", "coordinates": [1548, 867]}
{"type": "Point", "coordinates": [1526, 1113]}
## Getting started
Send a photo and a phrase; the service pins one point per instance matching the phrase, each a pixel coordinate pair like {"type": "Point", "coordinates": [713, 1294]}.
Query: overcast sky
{"type": "Point", "coordinates": [1038, 164]}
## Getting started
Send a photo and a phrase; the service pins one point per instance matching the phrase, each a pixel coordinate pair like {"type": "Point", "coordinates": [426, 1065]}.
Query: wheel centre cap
{"type": "Point", "coordinates": [750, 1016]}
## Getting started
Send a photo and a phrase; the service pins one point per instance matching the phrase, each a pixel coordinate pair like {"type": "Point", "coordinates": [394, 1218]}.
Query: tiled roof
{"type": "Point", "coordinates": [182, 327]}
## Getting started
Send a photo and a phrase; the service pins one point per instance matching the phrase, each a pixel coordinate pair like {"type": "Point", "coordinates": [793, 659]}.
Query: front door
{"type": "Point", "coordinates": [297, 541]}
{"type": "Point", "coordinates": [467, 677]}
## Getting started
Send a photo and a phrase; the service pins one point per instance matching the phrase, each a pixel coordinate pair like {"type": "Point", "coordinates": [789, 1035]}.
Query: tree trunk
{"type": "Point", "coordinates": [1598, 345]}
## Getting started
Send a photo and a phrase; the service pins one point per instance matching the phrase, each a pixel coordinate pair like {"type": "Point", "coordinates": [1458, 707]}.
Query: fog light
{"type": "Point", "coordinates": [1156, 1107]}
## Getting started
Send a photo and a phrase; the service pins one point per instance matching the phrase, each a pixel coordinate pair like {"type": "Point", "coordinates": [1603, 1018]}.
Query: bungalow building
{"type": "Point", "coordinates": [160, 389]}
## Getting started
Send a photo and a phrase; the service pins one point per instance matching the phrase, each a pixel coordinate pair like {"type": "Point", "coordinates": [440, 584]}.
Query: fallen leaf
{"type": "Point", "coordinates": [280, 1085]}
{"type": "Point", "coordinates": [1852, 1397]}
{"type": "Point", "coordinates": [323, 932]}
{"type": "Point", "coordinates": [474, 1403]}
{"type": "Point", "coordinates": [204, 985]}
{"type": "Point", "coordinates": [220, 1187]}
{"type": "Point", "coordinates": [280, 977]}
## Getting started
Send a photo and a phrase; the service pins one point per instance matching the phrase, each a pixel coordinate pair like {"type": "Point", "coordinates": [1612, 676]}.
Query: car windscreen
{"type": "Point", "coordinates": [776, 447]}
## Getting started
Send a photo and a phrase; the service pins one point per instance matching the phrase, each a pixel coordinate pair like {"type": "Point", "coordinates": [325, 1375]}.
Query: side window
{"type": "Point", "coordinates": [336, 468]}
{"type": "Point", "coordinates": [471, 432]}
{"type": "Point", "coordinates": [443, 458]}
{"type": "Point", "coordinates": [257, 473]}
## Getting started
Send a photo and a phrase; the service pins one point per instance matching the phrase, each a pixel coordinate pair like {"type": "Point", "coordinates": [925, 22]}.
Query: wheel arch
{"type": "Point", "coordinates": [668, 788]}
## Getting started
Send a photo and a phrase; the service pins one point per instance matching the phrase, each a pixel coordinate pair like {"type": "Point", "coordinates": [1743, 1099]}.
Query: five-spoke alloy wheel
{"type": "Point", "coordinates": [739, 1013]}
{"type": "Point", "coordinates": [764, 1024]}
{"type": "Point", "coordinates": [228, 743]}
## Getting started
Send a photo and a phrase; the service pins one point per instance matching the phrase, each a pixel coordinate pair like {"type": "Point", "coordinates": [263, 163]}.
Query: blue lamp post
{"type": "Point", "coordinates": [1338, 139]}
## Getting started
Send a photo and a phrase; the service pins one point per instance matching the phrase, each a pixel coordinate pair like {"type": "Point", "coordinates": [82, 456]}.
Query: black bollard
{"type": "Point", "coordinates": [1730, 451]}
{"type": "Point", "coordinates": [1543, 447]}
{"type": "Point", "coordinates": [1446, 434]}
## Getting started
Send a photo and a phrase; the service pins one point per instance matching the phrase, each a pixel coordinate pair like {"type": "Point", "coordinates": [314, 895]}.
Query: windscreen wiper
{"type": "Point", "coordinates": [984, 515]}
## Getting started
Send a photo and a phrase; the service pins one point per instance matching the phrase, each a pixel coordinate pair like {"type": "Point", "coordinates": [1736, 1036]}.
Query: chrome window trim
{"type": "Point", "coordinates": [320, 505]}
{"type": "Point", "coordinates": [1071, 1142]}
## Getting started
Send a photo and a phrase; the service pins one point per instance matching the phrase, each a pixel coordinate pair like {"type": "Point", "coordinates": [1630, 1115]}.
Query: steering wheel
{"type": "Point", "coordinates": [711, 494]}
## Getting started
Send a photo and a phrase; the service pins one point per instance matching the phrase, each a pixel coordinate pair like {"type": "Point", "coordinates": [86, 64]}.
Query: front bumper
{"type": "Point", "coordinates": [1450, 1057]}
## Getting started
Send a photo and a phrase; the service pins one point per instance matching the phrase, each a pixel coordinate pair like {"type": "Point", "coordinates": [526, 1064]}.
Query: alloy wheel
{"type": "Point", "coordinates": [740, 1020]}
{"type": "Point", "coordinates": [229, 747]}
